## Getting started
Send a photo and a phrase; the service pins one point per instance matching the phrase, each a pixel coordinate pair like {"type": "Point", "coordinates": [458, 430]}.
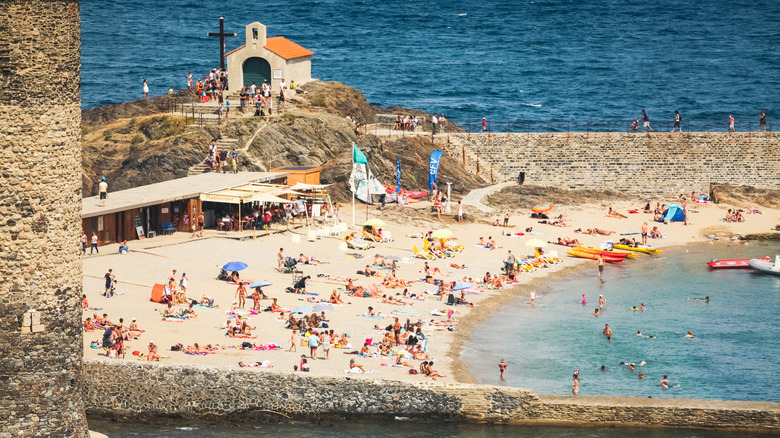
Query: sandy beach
{"type": "Point", "coordinates": [150, 261]}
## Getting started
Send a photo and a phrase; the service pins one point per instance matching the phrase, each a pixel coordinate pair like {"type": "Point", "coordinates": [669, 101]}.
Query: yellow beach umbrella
{"type": "Point", "coordinates": [441, 234]}
{"type": "Point", "coordinates": [374, 222]}
{"type": "Point", "coordinates": [536, 243]}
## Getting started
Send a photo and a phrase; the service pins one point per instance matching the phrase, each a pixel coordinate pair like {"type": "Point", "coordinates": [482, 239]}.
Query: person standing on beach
{"type": "Point", "coordinates": [731, 123]}
{"type": "Point", "coordinates": [280, 256]}
{"type": "Point", "coordinates": [502, 368]}
{"type": "Point", "coordinates": [644, 233]}
{"type": "Point", "coordinates": [762, 120]}
{"type": "Point", "coordinates": [460, 211]}
{"type": "Point", "coordinates": [533, 297]}
{"type": "Point", "coordinates": [241, 294]}
{"type": "Point", "coordinates": [677, 120]}
{"type": "Point", "coordinates": [602, 301]}
{"type": "Point", "coordinates": [146, 90]}
{"type": "Point", "coordinates": [294, 341]}
{"type": "Point", "coordinates": [600, 262]}
{"type": "Point", "coordinates": [646, 120]}
{"type": "Point", "coordinates": [510, 261]}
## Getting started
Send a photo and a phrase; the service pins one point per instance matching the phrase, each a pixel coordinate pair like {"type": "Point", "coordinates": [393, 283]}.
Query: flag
{"type": "Point", "coordinates": [358, 156]}
{"type": "Point", "coordinates": [397, 174]}
{"type": "Point", "coordinates": [434, 168]}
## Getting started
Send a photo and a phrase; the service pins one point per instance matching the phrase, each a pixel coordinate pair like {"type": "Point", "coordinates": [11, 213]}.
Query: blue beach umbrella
{"type": "Point", "coordinates": [260, 284]}
{"type": "Point", "coordinates": [319, 307]}
{"type": "Point", "coordinates": [463, 285]}
{"type": "Point", "coordinates": [406, 311]}
{"type": "Point", "coordinates": [235, 266]}
{"type": "Point", "coordinates": [301, 309]}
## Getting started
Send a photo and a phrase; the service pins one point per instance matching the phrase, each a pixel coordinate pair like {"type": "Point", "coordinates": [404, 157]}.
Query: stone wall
{"type": "Point", "coordinates": [137, 390]}
{"type": "Point", "coordinates": [648, 164]}
{"type": "Point", "coordinates": [40, 220]}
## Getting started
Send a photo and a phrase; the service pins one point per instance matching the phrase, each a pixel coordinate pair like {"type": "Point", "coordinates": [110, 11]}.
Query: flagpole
{"type": "Point", "coordinates": [355, 188]}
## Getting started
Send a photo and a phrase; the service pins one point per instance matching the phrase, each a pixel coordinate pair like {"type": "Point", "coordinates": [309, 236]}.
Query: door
{"type": "Point", "coordinates": [256, 70]}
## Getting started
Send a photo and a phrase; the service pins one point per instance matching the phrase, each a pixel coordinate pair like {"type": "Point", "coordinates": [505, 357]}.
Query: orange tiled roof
{"type": "Point", "coordinates": [286, 48]}
{"type": "Point", "coordinates": [236, 49]}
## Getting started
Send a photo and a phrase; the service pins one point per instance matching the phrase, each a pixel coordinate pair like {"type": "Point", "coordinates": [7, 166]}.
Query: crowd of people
{"type": "Point", "coordinates": [644, 120]}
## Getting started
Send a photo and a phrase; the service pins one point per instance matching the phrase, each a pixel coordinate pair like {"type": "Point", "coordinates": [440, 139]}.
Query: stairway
{"type": "Point", "coordinates": [222, 144]}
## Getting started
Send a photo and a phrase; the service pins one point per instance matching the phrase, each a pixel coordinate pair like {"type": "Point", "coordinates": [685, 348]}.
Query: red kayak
{"type": "Point", "coordinates": [731, 264]}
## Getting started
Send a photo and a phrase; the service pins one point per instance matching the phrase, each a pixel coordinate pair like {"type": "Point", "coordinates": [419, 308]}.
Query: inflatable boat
{"type": "Point", "coordinates": [644, 249]}
{"type": "Point", "coordinates": [731, 264]}
{"type": "Point", "coordinates": [592, 256]}
{"type": "Point", "coordinates": [766, 267]}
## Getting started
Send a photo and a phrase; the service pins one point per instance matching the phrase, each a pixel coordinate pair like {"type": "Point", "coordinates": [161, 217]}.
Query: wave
{"type": "Point", "coordinates": [535, 105]}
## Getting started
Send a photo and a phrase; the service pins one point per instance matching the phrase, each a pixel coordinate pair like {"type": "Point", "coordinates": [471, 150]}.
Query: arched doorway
{"type": "Point", "coordinates": [256, 70]}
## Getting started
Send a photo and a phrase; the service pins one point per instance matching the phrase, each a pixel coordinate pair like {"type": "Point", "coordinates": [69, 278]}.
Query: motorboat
{"type": "Point", "coordinates": [766, 267]}
{"type": "Point", "coordinates": [732, 264]}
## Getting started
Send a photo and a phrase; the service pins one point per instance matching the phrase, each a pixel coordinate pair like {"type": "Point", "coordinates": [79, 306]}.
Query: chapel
{"type": "Point", "coordinates": [271, 59]}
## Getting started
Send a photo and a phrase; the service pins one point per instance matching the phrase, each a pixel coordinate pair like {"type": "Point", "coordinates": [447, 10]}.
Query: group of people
{"type": "Point", "coordinates": [220, 160]}
{"type": "Point", "coordinates": [644, 119]}
{"type": "Point", "coordinates": [211, 87]}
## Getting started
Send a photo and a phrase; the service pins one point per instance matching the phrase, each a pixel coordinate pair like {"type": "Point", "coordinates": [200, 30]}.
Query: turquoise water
{"type": "Point", "coordinates": [733, 356]}
{"type": "Point", "coordinates": [358, 429]}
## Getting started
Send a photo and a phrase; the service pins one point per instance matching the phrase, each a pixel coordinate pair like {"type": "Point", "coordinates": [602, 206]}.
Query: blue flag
{"type": "Point", "coordinates": [434, 168]}
{"type": "Point", "coordinates": [397, 174]}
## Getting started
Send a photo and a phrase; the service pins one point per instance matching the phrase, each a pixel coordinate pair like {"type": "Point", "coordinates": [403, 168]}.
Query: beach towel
{"type": "Point", "coordinates": [630, 233]}
{"type": "Point", "coordinates": [173, 319]}
{"type": "Point", "coordinates": [205, 307]}
{"type": "Point", "coordinates": [243, 336]}
{"type": "Point", "coordinates": [365, 315]}
{"type": "Point", "coordinates": [537, 233]}
{"type": "Point", "coordinates": [242, 282]}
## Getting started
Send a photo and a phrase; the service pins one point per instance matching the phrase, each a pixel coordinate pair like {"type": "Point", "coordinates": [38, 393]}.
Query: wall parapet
{"type": "Point", "coordinates": [647, 164]}
{"type": "Point", "coordinates": [133, 390]}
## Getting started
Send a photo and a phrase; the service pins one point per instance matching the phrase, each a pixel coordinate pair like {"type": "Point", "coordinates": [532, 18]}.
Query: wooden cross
{"type": "Point", "coordinates": [222, 35]}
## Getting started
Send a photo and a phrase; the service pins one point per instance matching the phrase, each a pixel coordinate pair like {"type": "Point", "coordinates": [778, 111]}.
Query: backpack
{"type": "Point", "coordinates": [246, 345]}
{"type": "Point", "coordinates": [177, 347]}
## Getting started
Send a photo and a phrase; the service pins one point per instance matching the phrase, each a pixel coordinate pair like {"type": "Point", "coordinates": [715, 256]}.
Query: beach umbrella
{"type": "Point", "coordinates": [302, 309]}
{"type": "Point", "coordinates": [441, 234]}
{"type": "Point", "coordinates": [374, 222]}
{"type": "Point", "coordinates": [393, 257]}
{"type": "Point", "coordinates": [319, 307]}
{"type": "Point", "coordinates": [536, 243]}
{"type": "Point", "coordinates": [260, 284]}
{"type": "Point", "coordinates": [541, 208]}
{"type": "Point", "coordinates": [463, 285]}
{"type": "Point", "coordinates": [235, 266]}
{"type": "Point", "coordinates": [406, 311]}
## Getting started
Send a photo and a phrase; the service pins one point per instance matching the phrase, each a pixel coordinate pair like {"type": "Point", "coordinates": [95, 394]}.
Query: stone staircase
{"type": "Point", "coordinates": [223, 143]}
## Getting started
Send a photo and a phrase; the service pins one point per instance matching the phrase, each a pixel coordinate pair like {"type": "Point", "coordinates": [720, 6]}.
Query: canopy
{"type": "Point", "coordinates": [269, 198]}
{"type": "Point", "coordinates": [304, 186]}
{"type": "Point", "coordinates": [235, 266]}
{"type": "Point", "coordinates": [536, 243]}
{"type": "Point", "coordinates": [463, 285]}
{"type": "Point", "coordinates": [674, 213]}
{"type": "Point", "coordinates": [374, 222]}
{"type": "Point", "coordinates": [441, 234]}
{"type": "Point", "coordinates": [260, 284]}
{"type": "Point", "coordinates": [541, 208]}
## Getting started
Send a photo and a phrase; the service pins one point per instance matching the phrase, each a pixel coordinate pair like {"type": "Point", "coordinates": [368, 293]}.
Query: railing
{"type": "Point", "coordinates": [626, 126]}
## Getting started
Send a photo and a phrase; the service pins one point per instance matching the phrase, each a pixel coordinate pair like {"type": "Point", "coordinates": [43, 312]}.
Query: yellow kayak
{"type": "Point", "coordinates": [638, 249]}
{"type": "Point", "coordinates": [630, 255]}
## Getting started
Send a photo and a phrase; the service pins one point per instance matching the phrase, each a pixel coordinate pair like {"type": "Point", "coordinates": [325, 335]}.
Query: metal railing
{"type": "Point", "coordinates": [627, 126]}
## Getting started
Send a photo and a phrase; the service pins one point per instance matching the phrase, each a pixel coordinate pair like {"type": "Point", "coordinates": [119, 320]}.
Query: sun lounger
{"type": "Point", "coordinates": [353, 244]}
{"type": "Point", "coordinates": [422, 255]}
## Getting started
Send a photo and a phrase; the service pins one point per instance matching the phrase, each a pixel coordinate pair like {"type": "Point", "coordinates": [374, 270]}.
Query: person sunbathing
{"type": "Point", "coordinates": [84, 302]}
{"type": "Point", "coordinates": [364, 350]}
{"type": "Point", "coordinates": [170, 311]}
{"type": "Point", "coordinates": [368, 272]}
{"type": "Point", "coordinates": [234, 277]}
{"type": "Point", "coordinates": [430, 271]}
{"type": "Point", "coordinates": [306, 260]}
{"type": "Point", "coordinates": [380, 261]}
{"type": "Point", "coordinates": [89, 324]}
{"type": "Point", "coordinates": [392, 282]}
{"type": "Point", "coordinates": [425, 368]}
{"type": "Point", "coordinates": [655, 233]}
{"type": "Point", "coordinates": [496, 223]}
{"type": "Point", "coordinates": [335, 297]}
{"type": "Point", "coordinates": [419, 235]}
{"type": "Point", "coordinates": [198, 349]}
{"type": "Point", "coordinates": [481, 242]}
{"type": "Point", "coordinates": [487, 279]}
{"type": "Point", "coordinates": [399, 362]}
{"type": "Point", "coordinates": [275, 307]}
{"type": "Point", "coordinates": [560, 221]}
{"type": "Point", "coordinates": [384, 350]}
{"type": "Point", "coordinates": [420, 354]}
{"type": "Point", "coordinates": [343, 341]}
{"type": "Point", "coordinates": [207, 301]}
{"type": "Point", "coordinates": [246, 329]}
{"type": "Point", "coordinates": [647, 208]}
{"type": "Point", "coordinates": [353, 365]}
{"type": "Point", "coordinates": [152, 355]}
{"type": "Point", "coordinates": [615, 214]}
{"type": "Point", "coordinates": [457, 266]}
{"type": "Point", "coordinates": [391, 300]}
{"type": "Point", "coordinates": [491, 244]}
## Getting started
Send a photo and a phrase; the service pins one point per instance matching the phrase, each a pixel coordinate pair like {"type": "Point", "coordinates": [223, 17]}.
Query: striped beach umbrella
{"type": "Point", "coordinates": [302, 309]}
{"type": "Point", "coordinates": [541, 208]}
{"type": "Point", "coordinates": [319, 307]}
{"type": "Point", "coordinates": [406, 311]}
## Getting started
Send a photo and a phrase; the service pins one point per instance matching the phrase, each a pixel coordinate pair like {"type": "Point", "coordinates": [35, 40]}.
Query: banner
{"type": "Point", "coordinates": [434, 168]}
{"type": "Point", "coordinates": [397, 174]}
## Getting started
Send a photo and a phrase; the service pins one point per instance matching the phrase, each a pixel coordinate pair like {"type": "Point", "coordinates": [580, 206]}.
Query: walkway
{"type": "Point", "coordinates": [474, 198]}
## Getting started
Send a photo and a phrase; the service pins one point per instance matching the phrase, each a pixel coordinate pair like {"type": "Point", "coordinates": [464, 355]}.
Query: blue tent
{"type": "Point", "coordinates": [674, 214]}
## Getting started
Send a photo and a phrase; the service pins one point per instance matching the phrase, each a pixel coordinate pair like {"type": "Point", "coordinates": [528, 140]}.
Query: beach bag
{"type": "Point", "coordinates": [177, 347]}
{"type": "Point", "coordinates": [246, 345]}
{"type": "Point", "coordinates": [413, 371]}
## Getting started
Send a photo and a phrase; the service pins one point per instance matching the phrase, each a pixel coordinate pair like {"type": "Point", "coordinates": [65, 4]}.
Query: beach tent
{"type": "Point", "coordinates": [157, 293]}
{"type": "Point", "coordinates": [674, 214]}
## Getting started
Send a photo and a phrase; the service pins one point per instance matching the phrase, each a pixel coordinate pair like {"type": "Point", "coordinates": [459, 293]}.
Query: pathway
{"type": "Point", "coordinates": [474, 198]}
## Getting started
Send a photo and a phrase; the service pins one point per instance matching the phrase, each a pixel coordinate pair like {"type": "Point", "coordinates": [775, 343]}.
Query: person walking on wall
{"type": "Point", "coordinates": [677, 120]}
{"type": "Point", "coordinates": [731, 123]}
{"type": "Point", "coordinates": [146, 90]}
{"type": "Point", "coordinates": [646, 120]}
{"type": "Point", "coordinates": [103, 191]}
{"type": "Point", "coordinates": [762, 120]}
{"type": "Point", "coordinates": [484, 125]}
{"type": "Point", "coordinates": [434, 122]}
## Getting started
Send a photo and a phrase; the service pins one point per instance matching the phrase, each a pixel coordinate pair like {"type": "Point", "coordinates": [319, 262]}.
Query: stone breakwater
{"type": "Point", "coordinates": [132, 390]}
{"type": "Point", "coordinates": [647, 164]}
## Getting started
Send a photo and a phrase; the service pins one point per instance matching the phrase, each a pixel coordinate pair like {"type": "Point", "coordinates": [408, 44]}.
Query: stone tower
{"type": "Point", "coordinates": [40, 219]}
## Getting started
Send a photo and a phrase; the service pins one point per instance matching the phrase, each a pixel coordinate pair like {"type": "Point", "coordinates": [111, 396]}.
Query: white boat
{"type": "Point", "coordinates": [765, 266]}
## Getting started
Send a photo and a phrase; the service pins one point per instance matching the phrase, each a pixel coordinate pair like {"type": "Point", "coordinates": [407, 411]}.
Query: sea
{"type": "Point", "coordinates": [732, 355]}
{"type": "Point", "coordinates": [523, 65]}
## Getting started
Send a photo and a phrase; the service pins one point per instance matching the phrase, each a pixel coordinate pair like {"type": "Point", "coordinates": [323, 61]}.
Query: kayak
{"type": "Point", "coordinates": [592, 256]}
{"type": "Point", "coordinates": [643, 249]}
{"type": "Point", "coordinates": [732, 264]}
{"type": "Point", "coordinates": [765, 266]}
{"type": "Point", "coordinates": [606, 252]}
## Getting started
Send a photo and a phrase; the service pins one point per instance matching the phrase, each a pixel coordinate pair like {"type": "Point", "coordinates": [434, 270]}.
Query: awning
{"type": "Point", "coordinates": [268, 198]}
{"type": "Point", "coordinates": [304, 186]}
